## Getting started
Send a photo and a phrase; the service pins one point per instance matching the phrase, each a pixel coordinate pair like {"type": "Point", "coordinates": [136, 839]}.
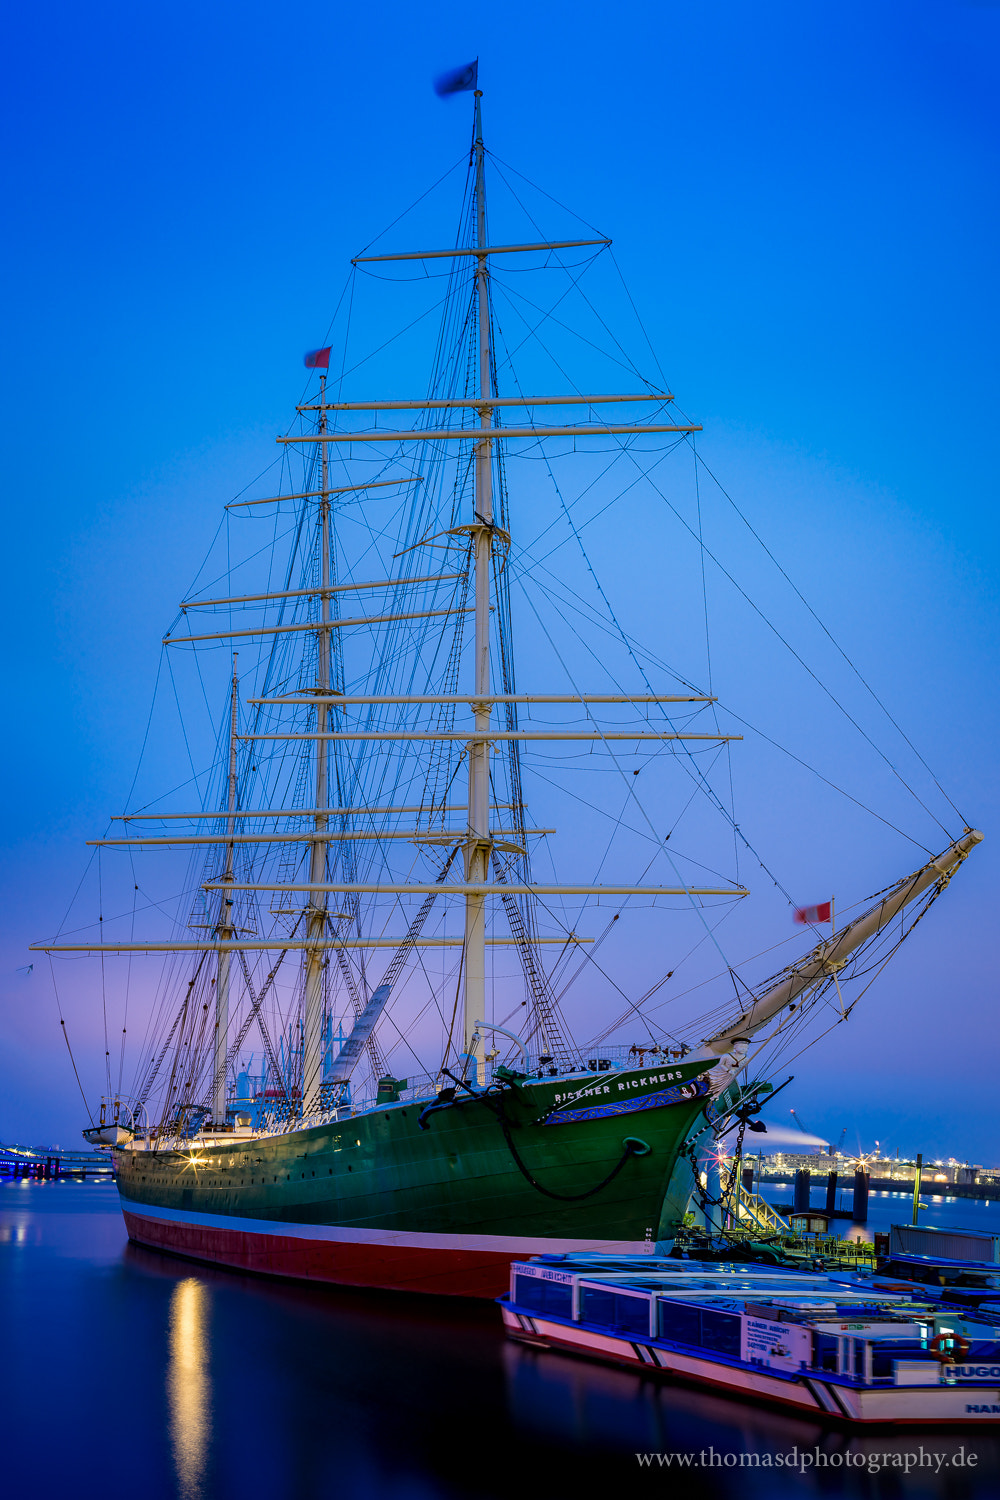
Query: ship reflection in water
{"type": "Point", "coordinates": [189, 1385]}
{"type": "Point", "coordinates": [583, 1403]}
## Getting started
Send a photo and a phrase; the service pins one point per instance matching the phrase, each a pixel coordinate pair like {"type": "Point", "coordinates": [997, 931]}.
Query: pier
{"type": "Point", "coordinates": [42, 1165]}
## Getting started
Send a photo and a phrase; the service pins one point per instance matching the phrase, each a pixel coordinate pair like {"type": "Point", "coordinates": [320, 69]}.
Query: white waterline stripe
{"type": "Point", "coordinates": [406, 1239]}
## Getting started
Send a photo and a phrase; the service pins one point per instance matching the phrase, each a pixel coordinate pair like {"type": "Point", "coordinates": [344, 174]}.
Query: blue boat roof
{"type": "Point", "coordinates": [928, 1262]}
{"type": "Point", "coordinates": [714, 1282]}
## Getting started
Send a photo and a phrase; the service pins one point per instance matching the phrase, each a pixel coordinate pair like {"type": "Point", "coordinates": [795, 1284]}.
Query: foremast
{"type": "Point", "coordinates": [225, 930]}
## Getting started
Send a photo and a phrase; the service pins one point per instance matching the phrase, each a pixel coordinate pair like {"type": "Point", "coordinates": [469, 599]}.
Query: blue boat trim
{"type": "Point", "coordinates": [693, 1351]}
{"type": "Point", "coordinates": [681, 1093]}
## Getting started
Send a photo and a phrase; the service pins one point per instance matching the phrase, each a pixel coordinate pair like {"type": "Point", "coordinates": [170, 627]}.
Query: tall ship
{"type": "Point", "coordinates": [377, 1047]}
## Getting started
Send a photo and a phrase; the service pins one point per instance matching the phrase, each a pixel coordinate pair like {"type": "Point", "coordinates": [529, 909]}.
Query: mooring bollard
{"type": "Point", "coordinates": [861, 1196]}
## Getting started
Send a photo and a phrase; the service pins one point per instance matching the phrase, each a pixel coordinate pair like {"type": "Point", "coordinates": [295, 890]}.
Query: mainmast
{"type": "Point", "coordinates": [477, 847]}
{"type": "Point", "coordinates": [316, 911]}
{"type": "Point", "coordinates": [225, 931]}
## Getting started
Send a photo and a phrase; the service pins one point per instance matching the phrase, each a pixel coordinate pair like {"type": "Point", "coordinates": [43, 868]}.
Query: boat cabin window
{"type": "Point", "coordinates": [826, 1352]}
{"type": "Point", "coordinates": [721, 1331]}
{"type": "Point", "coordinates": [702, 1327]}
{"type": "Point", "coordinates": [539, 1295]}
{"type": "Point", "coordinates": [680, 1323]}
{"type": "Point", "coordinates": [619, 1310]}
{"type": "Point", "coordinates": [885, 1352]}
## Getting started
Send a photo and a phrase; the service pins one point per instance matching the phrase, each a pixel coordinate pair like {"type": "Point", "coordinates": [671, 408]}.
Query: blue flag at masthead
{"type": "Point", "coordinates": [458, 80]}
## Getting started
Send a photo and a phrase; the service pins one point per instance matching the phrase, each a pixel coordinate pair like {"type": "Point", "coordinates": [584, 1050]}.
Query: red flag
{"type": "Point", "coordinates": [820, 913]}
{"type": "Point", "coordinates": [318, 359]}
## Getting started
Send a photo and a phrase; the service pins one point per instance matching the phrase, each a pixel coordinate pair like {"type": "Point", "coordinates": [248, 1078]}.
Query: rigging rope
{"type": "Point", "coordinates": [832, 639]}
{"type": "Point", "coordinates": [407, 655]}
{"type": "Point", "coordinates": [65, 1034]}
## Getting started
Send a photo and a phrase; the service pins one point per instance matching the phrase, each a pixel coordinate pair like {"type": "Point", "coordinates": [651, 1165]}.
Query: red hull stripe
{"type": "Point", "coordinates": [459, 1265]}
{"type": "Point", "coordinates": [506, 1244]}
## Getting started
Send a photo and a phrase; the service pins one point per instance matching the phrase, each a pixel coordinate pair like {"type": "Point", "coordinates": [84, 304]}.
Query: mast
{"type": "Point", "coordinates": [225, 930]}
{"type": "Point", "coordinates": [312, 1049]}
{"type": "Point", "coordinates": [477, 848]}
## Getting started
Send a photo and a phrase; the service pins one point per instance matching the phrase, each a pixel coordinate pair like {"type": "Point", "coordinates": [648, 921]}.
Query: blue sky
{"type": "Point", "coordinates": [804, 203]}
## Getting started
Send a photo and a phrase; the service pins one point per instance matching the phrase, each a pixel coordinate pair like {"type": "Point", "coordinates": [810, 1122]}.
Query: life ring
{"type": "Point", "coordinates": [949, 1347]}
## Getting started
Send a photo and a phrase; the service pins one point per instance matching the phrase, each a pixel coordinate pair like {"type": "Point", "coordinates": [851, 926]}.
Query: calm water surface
{"type": "Point", "coordinates": [886, 1209]}
{"type": "Point", "coordinates": [125, 1372]}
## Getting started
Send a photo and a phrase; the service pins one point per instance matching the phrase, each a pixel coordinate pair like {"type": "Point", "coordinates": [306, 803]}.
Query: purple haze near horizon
{"type": "Point", "coordinates": [804, 205]}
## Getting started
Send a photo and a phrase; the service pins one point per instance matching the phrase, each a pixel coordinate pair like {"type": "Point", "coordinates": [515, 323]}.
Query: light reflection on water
{"type": "Point", "coordinates": [189, 1384]}
{"type": "Point", "coordinates": [16, 1231]}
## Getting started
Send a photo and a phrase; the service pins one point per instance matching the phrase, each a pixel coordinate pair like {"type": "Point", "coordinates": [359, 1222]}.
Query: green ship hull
{"type": "Point", "coordinates": [439, 1199]}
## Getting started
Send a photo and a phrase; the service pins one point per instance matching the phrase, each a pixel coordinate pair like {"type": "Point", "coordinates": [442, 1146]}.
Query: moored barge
{"type": "Point", "coordinates": [840, 1349]}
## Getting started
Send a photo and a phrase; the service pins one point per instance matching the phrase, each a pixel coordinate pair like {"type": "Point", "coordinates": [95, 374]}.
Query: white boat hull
{"type": "Point", "coordinates": [968, 1401]}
